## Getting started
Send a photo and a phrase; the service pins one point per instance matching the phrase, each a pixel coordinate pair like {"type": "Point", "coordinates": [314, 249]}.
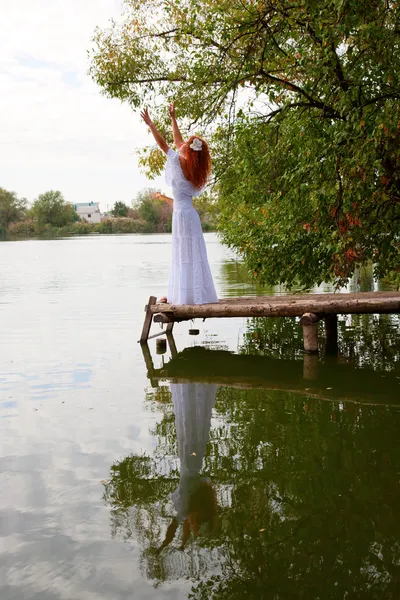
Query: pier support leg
{"type": "Point", "coordinates": [331, 334]}
{"type": "Point", "coordinates": [171, 344]}
{"type": "Point", "coordinates": [147, 321]}
{"type": "Point", "coordinates": [309, 323]}
{"type": "Point", "coordinates": [310, 366]}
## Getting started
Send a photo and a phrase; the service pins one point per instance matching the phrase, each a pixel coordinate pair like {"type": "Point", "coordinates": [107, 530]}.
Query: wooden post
{"type": "Point", "coordinates": [170, 327]}
{"type": "Point", "coordinates": [171, 344]}
{"type": "Point", "coordinates": [147, 320]}
{"type": "Point", "coordinates": [310, 366]}
{"type": "Point", "coordinates": [331, 334]}
{"type": "Point", "coordinates": [309, 323]}
{"type": "Point", "coordinates": [162, 318]}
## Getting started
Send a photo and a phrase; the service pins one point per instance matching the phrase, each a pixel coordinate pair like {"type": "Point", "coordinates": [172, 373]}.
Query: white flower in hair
{"type": "Point", "coordinates": [196, 144]}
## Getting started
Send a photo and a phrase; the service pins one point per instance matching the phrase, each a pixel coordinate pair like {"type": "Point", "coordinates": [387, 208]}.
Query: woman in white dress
{"type": "Point", "coordinates": [187, 172]}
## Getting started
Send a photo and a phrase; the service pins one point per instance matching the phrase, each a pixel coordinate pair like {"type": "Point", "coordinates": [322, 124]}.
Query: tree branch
{"type": "Point", "coordinates": [272, 114]}
{"type": "Point", "coordinates": [162, 79]}
{"type": "Point", "coordinates": [395, 95]}
{"type": "Point", "coordinates": [295, 88]}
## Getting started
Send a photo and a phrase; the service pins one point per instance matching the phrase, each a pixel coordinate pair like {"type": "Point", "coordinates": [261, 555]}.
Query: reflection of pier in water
{"type": "Point", "coordinates": [325, 380]}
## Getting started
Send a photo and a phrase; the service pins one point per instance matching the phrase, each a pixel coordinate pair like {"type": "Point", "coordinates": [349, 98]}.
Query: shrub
{"type": "Point", "coordinates": [22, 229]}
{"type": "Point", "coordinates": [104, 227]}
{"type": "Point", "coordinates": [81, 228]}
{"type": "Point", "coordinates": [126, 225]}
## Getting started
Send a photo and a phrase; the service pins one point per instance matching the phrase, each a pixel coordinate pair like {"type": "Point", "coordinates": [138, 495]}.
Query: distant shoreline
{"type": "Point", "coordinates": [121, 225]}
{"type": "Point", "coordinates": [63, 236]}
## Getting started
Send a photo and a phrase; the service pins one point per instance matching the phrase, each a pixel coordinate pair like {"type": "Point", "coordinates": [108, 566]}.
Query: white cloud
{"type": "Point", "coordinates": [56, 130]}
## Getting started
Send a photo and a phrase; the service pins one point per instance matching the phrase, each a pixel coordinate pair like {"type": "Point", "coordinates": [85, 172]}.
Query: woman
{"type": "Point", "coordinates": [187, 173]}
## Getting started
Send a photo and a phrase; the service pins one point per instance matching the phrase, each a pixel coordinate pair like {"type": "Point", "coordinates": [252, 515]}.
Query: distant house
{"type": "Point", "coordinates": [88, 211]}
{"type": "Point", "coordinates": [162, 197]}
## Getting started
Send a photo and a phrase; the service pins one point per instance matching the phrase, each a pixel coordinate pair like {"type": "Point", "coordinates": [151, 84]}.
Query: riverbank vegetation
{"type": "Point", "coordinates": [51, 216]}
{"type": "Point", "coordinates": [301, 104]}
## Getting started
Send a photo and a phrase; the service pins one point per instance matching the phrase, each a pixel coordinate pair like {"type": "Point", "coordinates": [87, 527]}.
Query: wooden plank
{"type": "Point", "coordinates": [298, 297]}
{"type": "Point", "coordinates": [161, 318]}
{"type": "Point", "coordinates": [155, 335]}
{"type": "Point", "coordinates": [169, 318]}
{"type": "Point", "coordinates": [287, 306]}
{"type": "Point", "coordinates": [147, 320]}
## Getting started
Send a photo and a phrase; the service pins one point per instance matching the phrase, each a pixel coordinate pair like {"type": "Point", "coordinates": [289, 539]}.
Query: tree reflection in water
{"type": "Point", "coordinates": [307, 496]}
{"type": "Point", "coordinates": [307, 490]}
{"type": "Point", "coordinates": [364, 340]}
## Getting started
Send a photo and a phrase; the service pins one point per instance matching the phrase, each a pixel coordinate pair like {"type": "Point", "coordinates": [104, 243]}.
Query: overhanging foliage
{"type": "Point", "coordinates": [301, 102]}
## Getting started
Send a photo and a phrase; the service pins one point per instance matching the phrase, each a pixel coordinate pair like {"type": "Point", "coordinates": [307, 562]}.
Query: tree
{"type": "Point", "coordinates": [156, 213]}
{"type": "Point", "coordinates": [304, 104]}
{"type": "Point", "coordinates": [120, 209]}
{"type": "Point", "coordinates": [12, 208]}
{"type": "Point", "coordinates": [207, 207]}
{"type": "Point", "coordinates": [50, 208]}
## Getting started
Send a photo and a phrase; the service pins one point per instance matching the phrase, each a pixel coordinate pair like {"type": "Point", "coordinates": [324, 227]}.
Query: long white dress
{"type": "Point", "coordinates": [190, 279]}
{"type": "Point", "coordinates": [193, 403]}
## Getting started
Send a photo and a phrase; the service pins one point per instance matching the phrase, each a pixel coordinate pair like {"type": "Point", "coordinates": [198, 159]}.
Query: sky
{"type": "Point", "coordinates": [56, 129]}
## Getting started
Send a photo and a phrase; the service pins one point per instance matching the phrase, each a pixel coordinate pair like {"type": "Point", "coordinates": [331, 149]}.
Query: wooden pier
{"type": "Point", "coordinates": [311, 308]}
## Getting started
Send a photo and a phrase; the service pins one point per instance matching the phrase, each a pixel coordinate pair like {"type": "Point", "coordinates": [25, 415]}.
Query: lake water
{"type": "Point", "coordinates": [251, 475]}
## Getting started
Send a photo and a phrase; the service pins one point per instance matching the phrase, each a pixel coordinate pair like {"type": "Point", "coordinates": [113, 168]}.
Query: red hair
{"type": "Point", "coordinates": [198, 163]}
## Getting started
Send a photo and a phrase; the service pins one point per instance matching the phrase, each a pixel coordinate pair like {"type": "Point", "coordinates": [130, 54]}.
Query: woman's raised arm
{"type": "Point", "coordinates": [156, 134]}
{"type": "Point", "coordinates": [178, 140]}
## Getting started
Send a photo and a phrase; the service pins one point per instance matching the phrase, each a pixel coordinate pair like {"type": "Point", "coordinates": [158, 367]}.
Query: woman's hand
{"type": "Point", "coordinates": [146, 117]}
{"type": "Point", "coordinates": [171, 110]}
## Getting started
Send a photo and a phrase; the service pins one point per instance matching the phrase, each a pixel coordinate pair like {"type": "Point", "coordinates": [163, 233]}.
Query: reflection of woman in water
{"type": "Point", "coordinates": [194, 499]}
